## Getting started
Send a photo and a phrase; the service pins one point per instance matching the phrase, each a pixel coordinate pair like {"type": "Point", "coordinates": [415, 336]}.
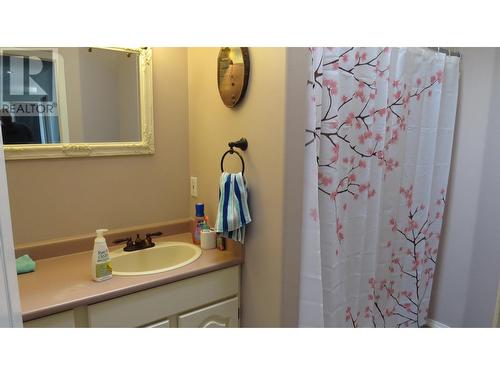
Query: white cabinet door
{"type": "Point", "coordinates": [10, 306]}
{"type": "Point", "coordinates": [220, 315]}
{"type": "Point", "coordinates": [151, 305]}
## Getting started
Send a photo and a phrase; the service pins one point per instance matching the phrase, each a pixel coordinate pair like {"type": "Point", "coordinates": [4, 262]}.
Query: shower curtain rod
{"type": "Point", "coordinates": [450, 51]}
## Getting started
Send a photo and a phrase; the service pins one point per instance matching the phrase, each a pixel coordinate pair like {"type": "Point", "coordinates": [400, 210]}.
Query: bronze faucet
{"type": "Point", "coordinates": [139, 243]}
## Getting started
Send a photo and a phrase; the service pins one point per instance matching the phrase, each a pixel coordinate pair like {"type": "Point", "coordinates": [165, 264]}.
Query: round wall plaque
{"type": "Point", "coordinates": [233, 70]}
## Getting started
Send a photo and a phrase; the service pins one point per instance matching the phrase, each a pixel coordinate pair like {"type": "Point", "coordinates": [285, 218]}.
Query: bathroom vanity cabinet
{"type": "Point", "coordinates": [207, 300]}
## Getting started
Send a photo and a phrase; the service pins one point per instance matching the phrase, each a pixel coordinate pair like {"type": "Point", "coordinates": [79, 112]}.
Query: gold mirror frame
{"type": "Point", "coordinates": [145, 146]}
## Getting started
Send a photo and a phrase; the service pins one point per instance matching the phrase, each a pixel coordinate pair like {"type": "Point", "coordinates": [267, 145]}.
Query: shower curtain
{"type": "Point", "coordinates": [378, 150]}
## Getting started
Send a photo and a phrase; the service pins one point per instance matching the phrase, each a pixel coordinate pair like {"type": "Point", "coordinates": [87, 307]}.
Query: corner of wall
{"type": "Point", "coordinates": [295, 119]}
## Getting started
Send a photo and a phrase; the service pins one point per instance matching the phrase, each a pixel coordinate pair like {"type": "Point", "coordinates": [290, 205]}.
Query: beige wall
{"type": "Point", "coordinates": [261, 118]}
{"type": "Point", "coordinates": [297, 68]}
{"type": "Point", "coordinates": [468, 266]}
{"type": "Point", "coordinates": [61, 197]}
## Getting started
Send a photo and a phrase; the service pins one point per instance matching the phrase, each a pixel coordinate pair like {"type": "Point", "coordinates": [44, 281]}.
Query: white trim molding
{"type": "Point", "coordinates": [145, 146]}
{"type": "Point", "coordinates": [496, 316]}
{"type": "Point", "coordinates": [10, 305]}
{"type": "Point", "coordinates": [435, 324]}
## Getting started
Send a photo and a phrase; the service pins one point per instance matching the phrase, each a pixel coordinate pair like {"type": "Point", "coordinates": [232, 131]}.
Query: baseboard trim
{"type": "Point", "coordinates": [435, 324]}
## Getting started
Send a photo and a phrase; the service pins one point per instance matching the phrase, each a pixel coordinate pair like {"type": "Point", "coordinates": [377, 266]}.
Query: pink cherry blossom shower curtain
{"type": "Point", "coordinates": [378, 151]}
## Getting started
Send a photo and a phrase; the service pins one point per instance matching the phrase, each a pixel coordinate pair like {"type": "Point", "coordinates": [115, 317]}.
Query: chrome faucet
{"type": "Point", "coordinates": [139, 243]}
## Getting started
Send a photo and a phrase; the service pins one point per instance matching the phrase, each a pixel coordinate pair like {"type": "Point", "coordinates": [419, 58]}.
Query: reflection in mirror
{"type": "Point", "coordinates": [76, 102]}
{"type": "Point", "coordinates": [70, 95]}
{"type": "Point", "coordinates": [107, 84]}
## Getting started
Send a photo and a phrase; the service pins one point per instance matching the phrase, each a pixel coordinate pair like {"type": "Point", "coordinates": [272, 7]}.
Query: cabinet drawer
{"type": "Point", "coordinates": [141, 308]}
{"type": "Point", "coordinates": [65, 319]}
{"type": "Point", "coordinates": [220, 315]}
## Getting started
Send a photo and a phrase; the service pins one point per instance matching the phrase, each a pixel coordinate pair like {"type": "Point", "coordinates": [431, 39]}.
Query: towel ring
{"type": "Point", "coordinates": [231, 151]}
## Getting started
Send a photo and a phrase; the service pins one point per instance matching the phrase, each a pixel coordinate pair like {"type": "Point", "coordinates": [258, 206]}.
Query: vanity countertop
{"type": "Point", "coordinates": [64, 282]}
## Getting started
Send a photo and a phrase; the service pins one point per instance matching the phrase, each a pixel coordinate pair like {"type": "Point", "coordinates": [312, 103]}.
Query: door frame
{"type": "Point", "coordinates": [10, 306]}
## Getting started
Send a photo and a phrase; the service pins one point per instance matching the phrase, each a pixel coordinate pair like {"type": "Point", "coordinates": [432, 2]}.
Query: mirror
{"type": "Point", "coordinates": [60, 102]}
{"type": "Point", "coordinates": [233, 70]}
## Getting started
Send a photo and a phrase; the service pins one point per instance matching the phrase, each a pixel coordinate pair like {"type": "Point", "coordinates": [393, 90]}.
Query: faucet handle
{"type": "Point", "coordinates": [149, 235]}
{"type": "Point", "coordinates": [154, 234]}
{"type": "Point", "coordinates": [122, 240]}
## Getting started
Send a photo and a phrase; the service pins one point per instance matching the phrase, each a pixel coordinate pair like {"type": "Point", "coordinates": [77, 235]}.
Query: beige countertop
{"type": "Point", "coordinates": [64, 282]}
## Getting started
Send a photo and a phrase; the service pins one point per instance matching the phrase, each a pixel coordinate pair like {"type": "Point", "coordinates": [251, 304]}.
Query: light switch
{"type": "Point", "coordinates": [194, 186]}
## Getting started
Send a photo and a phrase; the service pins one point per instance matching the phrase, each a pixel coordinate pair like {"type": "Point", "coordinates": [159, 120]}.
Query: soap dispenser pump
{"type": "Point", "coordinates": [101, 265]}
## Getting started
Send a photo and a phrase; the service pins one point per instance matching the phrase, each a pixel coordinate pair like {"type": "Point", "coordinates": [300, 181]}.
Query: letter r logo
{"type": "Point", "coordinates": [27, 76]}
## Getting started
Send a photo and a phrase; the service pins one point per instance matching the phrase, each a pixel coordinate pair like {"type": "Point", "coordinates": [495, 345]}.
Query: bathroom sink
{"type": "Point", "coordinates": [165, 256]}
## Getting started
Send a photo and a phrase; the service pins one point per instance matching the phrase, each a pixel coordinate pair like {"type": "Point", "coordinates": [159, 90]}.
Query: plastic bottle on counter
{"type": "Point", "coordinates": [199, 222]}
{"type": "Point", "coordinates": [101, 265]}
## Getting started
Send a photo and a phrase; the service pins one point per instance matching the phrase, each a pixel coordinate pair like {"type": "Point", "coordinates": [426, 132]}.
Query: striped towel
{"type": "Point", "coordinates": [233, 213]}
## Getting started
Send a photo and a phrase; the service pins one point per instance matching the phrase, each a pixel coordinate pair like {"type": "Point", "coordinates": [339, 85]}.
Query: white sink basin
{"type": "Point", "coordinates": [165, 256]}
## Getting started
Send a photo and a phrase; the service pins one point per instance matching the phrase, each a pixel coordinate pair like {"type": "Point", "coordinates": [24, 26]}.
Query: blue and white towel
{"type": "Point", "coordinates": [233, 214]}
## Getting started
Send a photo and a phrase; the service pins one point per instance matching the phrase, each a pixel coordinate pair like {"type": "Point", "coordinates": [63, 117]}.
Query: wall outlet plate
{"type": "Point", "coordinates": [194, 186]}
